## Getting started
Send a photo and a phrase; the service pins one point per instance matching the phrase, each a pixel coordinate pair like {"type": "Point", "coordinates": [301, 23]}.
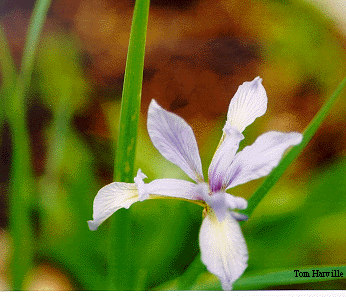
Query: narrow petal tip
{"type": "Point", "coordinates": [226, 286]}
{"type": "Point", "coordinates": [298, 138]}
{"type": "Point", "coordinates": [142, 193]}
{"type": "Point", "coordinates": [92, 225]}
{"type": "Point", "coordinates": [153, 103]}
{"type": "Point", "coordinates": [258, 79]}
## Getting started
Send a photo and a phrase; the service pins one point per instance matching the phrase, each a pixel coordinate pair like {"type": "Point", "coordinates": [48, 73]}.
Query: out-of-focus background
{"type": "Point", "coordinates": [198, 52]}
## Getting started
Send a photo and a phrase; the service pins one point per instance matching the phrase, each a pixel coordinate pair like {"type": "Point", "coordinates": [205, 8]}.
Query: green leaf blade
{"type": "Point", "coordinates": [120, 267]}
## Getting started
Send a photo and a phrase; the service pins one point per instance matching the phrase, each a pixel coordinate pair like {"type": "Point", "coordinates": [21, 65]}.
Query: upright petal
{"type": "Point", "coordinates": [175, 140]}
{"type": "Point", "coordinates": [110, 199]}
{"type": "Point", "coordinates": [248, 103]}
{"type": "Point", "coordinates": [258, 159]}
{"type": "Point", "coordinates": [223, 248]}
{"type": "Point", "coordinates": [223, 158]}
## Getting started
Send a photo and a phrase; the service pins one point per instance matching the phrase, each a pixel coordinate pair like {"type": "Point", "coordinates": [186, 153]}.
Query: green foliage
{"type": "Point", "coordinates": [121, 268]}
{"type": "Point", "coordinates": [60, 72]}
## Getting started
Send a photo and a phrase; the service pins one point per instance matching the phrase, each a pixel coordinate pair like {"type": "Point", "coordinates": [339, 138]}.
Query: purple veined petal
{"type": "Point", "coordinates": [258, 159]}
{"type": "Point", "coordinates": [223, 248]}
{"type": "Point", "coordinates": [248, 103]}
{"type": "Point", "coordinates": [175, 140]}
{"type": "Point", "coordinates": [111, 198]}
{"type": "Point", "coordinates": [223, 158]}
{"type": "Point", "coordinates": [169, 187]}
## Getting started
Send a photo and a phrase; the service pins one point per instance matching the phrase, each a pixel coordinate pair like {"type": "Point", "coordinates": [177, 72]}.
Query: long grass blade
{"type": "Point", "coordinates": [22, 176]}
{"type": "Point", "coordinates": [120, 249]}
{"type": "Point", "coordinates": [7, 67]}
{"type": "Point", "coordinates": [290, 277]}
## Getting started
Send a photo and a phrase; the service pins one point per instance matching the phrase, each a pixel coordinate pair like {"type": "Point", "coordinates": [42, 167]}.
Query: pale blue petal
{"type": "Point", "coordinates": [223, 158]}
{"type": "Point", "coordinates": [258, 159]}
{"type": "Point", "coordinates": [110, 199]}
{"type": "Point", "coordinates": [175, 140]}
{"type": "Point", "coordinates": [248, 103]}
{"type": "Point", "coordinates": [169, 187]}
{"type": "Point", "coordinates": [223, 248]}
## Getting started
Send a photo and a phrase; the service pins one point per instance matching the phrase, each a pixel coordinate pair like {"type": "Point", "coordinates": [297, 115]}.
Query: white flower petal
{"type": "Point", "coordinates": [258, 159]}
{"type": "Point", "coordinates": [223, 248]}
{"type": "Point", "coordinates": [248, 103]}
{"type": "Point", "coordinates": [223, 158]}
{"type": "Point", "coordinates": [110, 199]}
{"type": "Point", "coordinates": [172, 188]}
{"type": "Point", "coordinates": [175, 140]}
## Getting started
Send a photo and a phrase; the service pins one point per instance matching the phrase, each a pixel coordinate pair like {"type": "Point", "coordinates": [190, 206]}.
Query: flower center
{"type": "Point", "coordinates": [215, 200]}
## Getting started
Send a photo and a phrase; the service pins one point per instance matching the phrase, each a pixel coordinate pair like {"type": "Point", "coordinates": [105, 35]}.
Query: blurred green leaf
{"type": "Point", "coordinates": [59, 68]}
{"type": "Point", "coordinates": [22, 181]}
{"type": "Point", "coordinates": [8, 70]}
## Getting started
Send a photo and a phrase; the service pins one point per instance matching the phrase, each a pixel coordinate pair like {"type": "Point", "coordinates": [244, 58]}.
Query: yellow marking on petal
{"type": "Point", "coordinates": [220, 238]}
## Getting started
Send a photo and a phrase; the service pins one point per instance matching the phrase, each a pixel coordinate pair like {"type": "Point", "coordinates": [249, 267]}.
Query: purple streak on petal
{"type": "Point", "coordinates": [175, 140]}
{"type": "Point", "coordinates": [258, 159]}
{"type": "Point", "coordinates": [223, 158]}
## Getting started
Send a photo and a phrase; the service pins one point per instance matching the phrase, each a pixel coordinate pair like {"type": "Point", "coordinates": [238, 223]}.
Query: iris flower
{"type": "Point", "coordinates": [222, 245]}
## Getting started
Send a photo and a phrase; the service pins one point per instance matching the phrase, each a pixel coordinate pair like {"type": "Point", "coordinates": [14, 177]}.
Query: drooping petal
{"type": "Point", "coordinates": [110, 199]}
{"type": "Point", "coordinates": [223, 158]}
{"type": "Point", "coordinates": [223, 248]}
{"type": "Point", "coordinates": [248, 103]}
{"type": "Point", "coordinates": [258, 159]}
{"type": "Point", "coordinates": [169, 187]}
{"type": "Point", "coordinates": [175, 140]}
